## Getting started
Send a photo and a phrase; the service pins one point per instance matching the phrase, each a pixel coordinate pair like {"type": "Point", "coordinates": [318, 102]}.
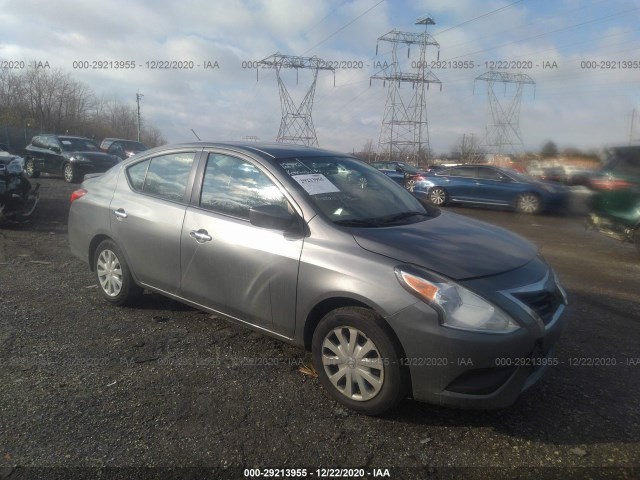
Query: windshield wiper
{"type": "Point", "coordinates": [356, 222]}
{"type": "Point", "coordinates": [400, 216]}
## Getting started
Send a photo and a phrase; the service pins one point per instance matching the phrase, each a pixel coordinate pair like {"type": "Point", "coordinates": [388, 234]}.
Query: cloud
{"type": "Point", "coordinates": [572, 105]}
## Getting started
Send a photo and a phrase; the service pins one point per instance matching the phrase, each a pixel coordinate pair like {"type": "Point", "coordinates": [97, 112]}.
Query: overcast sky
{"type": "Point", "coordinates": [573, 105]}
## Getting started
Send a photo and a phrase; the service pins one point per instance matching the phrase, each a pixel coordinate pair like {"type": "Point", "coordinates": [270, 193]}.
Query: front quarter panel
{"type": "Point", "coordinates": [334, 266]}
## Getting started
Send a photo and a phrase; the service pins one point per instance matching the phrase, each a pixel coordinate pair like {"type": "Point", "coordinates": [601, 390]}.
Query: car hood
{"type": "Point", "coordinates": [452, 245]}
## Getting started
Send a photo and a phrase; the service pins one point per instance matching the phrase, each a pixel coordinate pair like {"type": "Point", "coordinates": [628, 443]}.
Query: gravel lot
{"type": "Point", "coordinates": [161, 385]}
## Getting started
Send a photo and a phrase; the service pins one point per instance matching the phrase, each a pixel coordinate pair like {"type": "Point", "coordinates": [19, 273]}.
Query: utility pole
{"type": "Point", "coordinates": [404, 133]}
{"type": "Point", "coordinates": [138, 97]}
{"type": "Point", "coordinates": [503, 135]}
{"type": "Point", "coordinates": [296, 125]}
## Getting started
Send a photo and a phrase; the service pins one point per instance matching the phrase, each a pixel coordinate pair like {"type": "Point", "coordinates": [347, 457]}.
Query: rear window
{"type": "Point", "coordinates": [165, 176]}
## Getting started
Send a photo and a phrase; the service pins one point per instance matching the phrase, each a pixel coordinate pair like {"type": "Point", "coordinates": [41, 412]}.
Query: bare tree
{"type": "Point", "coordinates": [468, 149]}
{"type": "Point", "coordinates": [51, 101]}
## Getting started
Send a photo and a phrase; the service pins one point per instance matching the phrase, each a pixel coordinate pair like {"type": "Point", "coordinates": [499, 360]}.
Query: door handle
{"type": "Point", "coordinates": [120, 213]}
{"type": "Point", "coordinates": [201, 235]}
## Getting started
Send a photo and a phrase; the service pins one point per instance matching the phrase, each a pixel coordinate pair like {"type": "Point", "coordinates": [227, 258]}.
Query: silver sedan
{"type": "Point", "coordinates": [392, 296]}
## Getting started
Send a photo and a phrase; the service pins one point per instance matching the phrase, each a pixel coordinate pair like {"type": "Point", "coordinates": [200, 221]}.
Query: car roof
{"type": "Point", "coordinates": [69, 136]}
{"type": "Point", "coordinates": [267, 150]}
{"type": "Point", "coordinates": [119, 140]}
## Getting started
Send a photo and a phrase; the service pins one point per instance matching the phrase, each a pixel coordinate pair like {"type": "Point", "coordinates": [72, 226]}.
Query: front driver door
{"type": "Point", "coordinates": [230, 265]}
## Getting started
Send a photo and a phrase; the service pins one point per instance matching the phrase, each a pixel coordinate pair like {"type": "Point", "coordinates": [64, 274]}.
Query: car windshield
{"type": "Point", "coordinates": [351, 193]}
{"type": "Point", "coordinates": [520, 177]}
{"type": "Point", "coordinates": [409, 168]}
{"type": "Point", "coordinates": [78, 145]}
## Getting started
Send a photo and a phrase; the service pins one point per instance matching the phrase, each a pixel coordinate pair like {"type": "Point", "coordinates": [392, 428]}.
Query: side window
{"type": "Point", "coordinates": [165, 176]}
{"type": "Point", "coordinates": [459, 172]}
{"type": "Point", "coordinates": [137, 173]}
{"type": "Point", "coordinates": [489, 174]}
{"type": "Point", "coordinates": [233, 186]}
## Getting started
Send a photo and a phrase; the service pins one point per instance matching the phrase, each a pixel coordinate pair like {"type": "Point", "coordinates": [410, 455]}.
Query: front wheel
{"type": "Point", "coordinates": [114, 277]}
{"type": "Point", "coordinates": [528, 203]}
{"type": "Point", "coordinates": [70, 175]}
{"type": "Point", "coordinates": [437, 196]}
{"type": "Point", "coordinates": [358, 360]}
{"type": "Point", "coordinates": [30, 169]}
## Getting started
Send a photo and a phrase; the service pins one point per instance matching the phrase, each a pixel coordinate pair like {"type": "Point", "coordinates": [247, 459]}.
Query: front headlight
{"type": "Point", "coordinates": [15, 166]}
{"type": "Point", "coordinates": [79, 158]}
{"type": "Point", "coordinates": [458, 306]}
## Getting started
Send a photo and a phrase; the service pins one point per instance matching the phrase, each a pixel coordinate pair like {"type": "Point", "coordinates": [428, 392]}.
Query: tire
{"type": "Point", "coordinates": [30, 169]}
{"type": "Point", "coordinates": [70, 174]}
{"type": "Point", "coordinates": [369, 380]}
{"type": "Point", "coordinates": [438, 196]}
{"type": "Point", "coordinates": [115, 281]}
{"type": "Point", "coordinates": [528, 203]}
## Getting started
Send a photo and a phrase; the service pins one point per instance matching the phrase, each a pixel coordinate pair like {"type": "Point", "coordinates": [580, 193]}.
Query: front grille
{"type": "Point", "coordinates": [544, 303]}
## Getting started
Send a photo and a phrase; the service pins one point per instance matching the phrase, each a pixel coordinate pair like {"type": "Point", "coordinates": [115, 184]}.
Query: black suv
{"type": "Point", "coordinates": [122, 148]}
{"type": "Point", "coordinates": [66, 155]}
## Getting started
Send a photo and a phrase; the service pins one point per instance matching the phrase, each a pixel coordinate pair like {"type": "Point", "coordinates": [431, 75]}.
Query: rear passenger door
{"type": "Point", "coordinates": [459, 182]}
{"type": "Point", "coordinates": [147, 212]}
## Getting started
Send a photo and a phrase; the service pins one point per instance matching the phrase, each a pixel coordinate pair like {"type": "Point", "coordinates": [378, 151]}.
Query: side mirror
{"type": "Point", "coordinates": [505, 180]}
{"type": "Point", "coordinates": [271, 216]}
{"type": "Point", "coordinates": [54, 149]}
{"type": "Point", "coordinates": [399, 170]}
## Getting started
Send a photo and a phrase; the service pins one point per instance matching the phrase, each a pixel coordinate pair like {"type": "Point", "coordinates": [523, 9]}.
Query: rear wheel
{"type": "Point", "coordinates": [70, 174]}
{"type": "Point", "coordinates": [358, 360]}
{"type": "Point", "coordinates": [30, 168]}
{"type": "Point", "coordinates": [528, 203]}
{"type": "Point", "coordinates": [114, 277]}
{"type": "Point", "coordinates": [437, 196]}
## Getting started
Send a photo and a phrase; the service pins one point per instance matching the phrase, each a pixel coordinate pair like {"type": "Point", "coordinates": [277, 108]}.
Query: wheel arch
{"type": "Point", "coordinates": [93, 246]}
{"type": "Point", "coordinates": [327, 305]}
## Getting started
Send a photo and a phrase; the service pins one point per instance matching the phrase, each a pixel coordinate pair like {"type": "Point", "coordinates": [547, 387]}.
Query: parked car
{"type": "Point", "coordinates": [401, 173]}
{"type": "Point", "coordinates": [615, 204]}
{"type": "Point", "coordinates": [70, 156]}
{"type": "Point", "coordinates": [567, 174]}
{"type": "Point", "coordinates": [488, 185]}
{"type": "Point", "coordinates": [392, 298]}
{"type": "Point", "coordinates": [122, 148]}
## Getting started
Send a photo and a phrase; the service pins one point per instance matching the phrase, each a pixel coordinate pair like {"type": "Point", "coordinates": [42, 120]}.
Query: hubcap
{"type": "Point", "coordinates": [411, 185]}
{"type": "Point", "coordinates": [29, 167]}
{"type": "Point", "coordinates": [109, 273]}
{"type": "Point", "coordinates": [68, 172]}
{"type": "Point", "coordinates": [437, 196]}
{"type": "Point", "coordinates": [353, 363]}
{"type": "Point", "coordinates": [528, 203]}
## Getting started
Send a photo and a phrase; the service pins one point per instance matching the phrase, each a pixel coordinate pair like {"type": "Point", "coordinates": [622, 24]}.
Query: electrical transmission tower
{"type": "Point", "coordinates": [503, 135]}
{"type": "Point", "coordinates": [404, 134]}
{"type": "Point", "coordinates": [296, 125]}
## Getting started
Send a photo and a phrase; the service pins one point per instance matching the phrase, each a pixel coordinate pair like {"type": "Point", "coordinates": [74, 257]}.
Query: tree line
{"type": "Point", "coordinates": [35, 101]}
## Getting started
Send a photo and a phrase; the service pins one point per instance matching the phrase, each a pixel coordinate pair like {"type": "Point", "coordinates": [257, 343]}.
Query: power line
{"type": "Point", "coordinates": [478, 17]}
{"type": "Point", "coordinates": [343, 27]}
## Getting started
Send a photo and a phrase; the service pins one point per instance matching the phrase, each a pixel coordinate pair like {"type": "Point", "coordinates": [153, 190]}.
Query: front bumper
{"type": "Point", "coordinates": [477, 370]}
